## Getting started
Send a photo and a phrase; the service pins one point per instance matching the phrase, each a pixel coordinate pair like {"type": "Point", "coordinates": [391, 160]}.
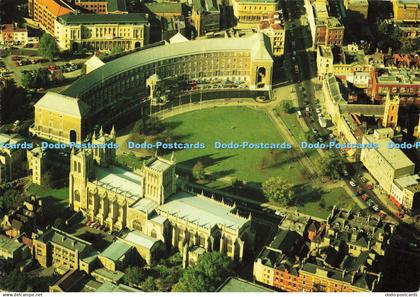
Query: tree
{"type": "Point", "coordinates": [116, 50]}
{"type": "Point", "coordinates": [207, 274]}
{"type": "Point", "coordinates": [29, 80]}
{"type": "Point", "coordinates": [331, 165]}
{"type": "Point", "coordinates": [15, 281]}
{"type": "Point", "coordinates": [134, 275]}
{"type": "Point", "coordinates": [59, 223]}
{"type": "Point", "coordinates": [149, 285]}
{"type": "Point", "coordinates": [278, 190]}
{"type": "Point", "coordinates": [11, 199]}
{"type": "Point", "coordinates": [47, 46]}
{"type": "Point", "coordinates": [310, 136]}
{"type": "Point", "coordinates": [287, 107]}
{"type": "Point", "coordinates": [198, 171]}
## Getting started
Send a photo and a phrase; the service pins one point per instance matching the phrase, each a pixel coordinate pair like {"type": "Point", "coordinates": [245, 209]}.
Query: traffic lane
{"type": "Point", "coordinates": [375, 199]}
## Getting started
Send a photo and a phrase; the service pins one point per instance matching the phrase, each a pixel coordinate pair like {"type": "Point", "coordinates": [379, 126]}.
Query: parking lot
{"type": "Point", "coordinates": [16, 65]}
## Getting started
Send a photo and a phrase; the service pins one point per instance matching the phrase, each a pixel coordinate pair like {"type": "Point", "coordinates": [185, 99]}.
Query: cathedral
{"type": "Point", "coordinates": [150, 200]}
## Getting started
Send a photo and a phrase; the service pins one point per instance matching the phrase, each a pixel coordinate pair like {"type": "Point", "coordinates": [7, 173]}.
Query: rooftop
{"type": "Point", "coordinates": [395, 157]}
{"type": "Point", "coordinates": [116, 250]}
{"type": "Point", "coordinates": [159, 165]}
{"type": "Point", "coordinates": [116, 5]}
{"type": "Point", "coordinates": [9, 244]}
{"type": "Point", "coordinates": [66, 240]}
{"type": "Point", "coordinates": [120, 180]}
{"type": "Point", "coordinates": [235, 284]}
{"type": "Point", "coordinates": [110, 287]}
{"type": "Point", "coordinates": [169, 51]}
{"type": "Point", "coordinates": [90, 18]}
{"type": "Point", "coordinates": [10, 138]}
{"type": "Point", "coordinates": [112, 276]}
{"type": "Point", "coordinates": [165, 7]}
{"type": "Point", "coordinates": [200, 210]}
{"type": "Point", "coordinates": [63, 104]}
{"type": "Point", "coordinates": [145, 205]}
{"type": "Point", "coordinates": [407, 181]}
{"type": "Point", "coordinates": [140, 239]}
{"type": "Point", "coordinates": [57, 8]}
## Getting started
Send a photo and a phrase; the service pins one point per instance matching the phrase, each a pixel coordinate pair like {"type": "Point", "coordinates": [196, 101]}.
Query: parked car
{"type": "Point", "coordinates": [352, 183]}
{"type": "Point", "coordinates": [375, 207]}
{"type": "Point", "coordinates": [382, 214]}
{"type": "Point", "coordinates": [364, 197]}
{"type": "Point", "coordinates": [369, 186]}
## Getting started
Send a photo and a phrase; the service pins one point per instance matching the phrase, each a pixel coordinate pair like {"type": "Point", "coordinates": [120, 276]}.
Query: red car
{"type": "Point", "coordinates": [364, 197]}
{"type": "Point", "coordinates": [369, 186]}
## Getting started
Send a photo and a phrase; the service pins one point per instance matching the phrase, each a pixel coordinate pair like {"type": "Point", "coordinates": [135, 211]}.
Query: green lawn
{"type": "Point", "coordinates": [292, 123]}
{"type": "Point", "coordinates": [43, 192]}
{"type": "Point", "coordinates": [309, 201]}
{"type": "Point", "coordinates": [129, 160]}
{"type": "Point", "coordinates": [236, 124]}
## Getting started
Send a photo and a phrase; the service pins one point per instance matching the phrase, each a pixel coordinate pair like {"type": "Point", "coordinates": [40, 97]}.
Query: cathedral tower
{"type": "Point", "coordinates": [159, 179]}
{"type": "Point", "coordinates": [81, 169]}
{"type": "Point", "coordinates": [391, 111]}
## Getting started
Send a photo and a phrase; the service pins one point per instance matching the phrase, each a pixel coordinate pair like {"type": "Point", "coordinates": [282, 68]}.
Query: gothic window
{"type": "Point", "coordinates": [153, 233]}
{"type": "Point", "coordinates": [137, 226]}
{"type": "Point", "coordinates": [77, 196]}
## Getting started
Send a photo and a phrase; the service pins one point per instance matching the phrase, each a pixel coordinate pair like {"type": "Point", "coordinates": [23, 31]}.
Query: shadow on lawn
{"type": "Point", "coordinates": [207, 160]}
{"type": "Point", "coordinates": [305, 193]}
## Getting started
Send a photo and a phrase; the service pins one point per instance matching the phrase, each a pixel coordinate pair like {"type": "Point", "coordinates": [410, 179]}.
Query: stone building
{"type": "Point", "coordinates": [103, 93]}
{"type": "Point", "coordinates": [102, 31]}
{"type": "Point", "coordinates": [249, 13]}
{"type": "Point", "coordinates": [148, 201]}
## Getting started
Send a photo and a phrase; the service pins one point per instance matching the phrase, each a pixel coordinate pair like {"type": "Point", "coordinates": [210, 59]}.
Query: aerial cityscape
{"type": "Point", "coordinates": [210, 146]}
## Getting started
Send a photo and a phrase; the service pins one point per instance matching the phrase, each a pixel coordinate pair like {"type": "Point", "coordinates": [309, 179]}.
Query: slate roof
{"type": "Point", "coordinates": [116, 5]}
{"type": "Point", "coordinates": [116, 250]}
{"type": "Point", "coordinates": [120, 180]}
{"type": "Point", "coordinates": [169, 51]}
{"type": "Point", "coordinates": [200, 210]}
{"type": "Point", "coordinates": [63, 104]}
{"type": "Point", "coordinates": [140, 239]}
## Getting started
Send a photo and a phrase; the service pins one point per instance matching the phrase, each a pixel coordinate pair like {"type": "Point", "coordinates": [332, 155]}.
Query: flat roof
{"type": "Point", "coordinates": [257, 44]}
{"type": "Point", "coordinates": [395, 157]}
{"type": "Point", "coordinates": [116, 250]}
{"type": "Point", "coordinates": [110, 287]}
{"type": "Point", "coordinates": [205, 212]}
{"type": "Point", "coordinates": [159, 165]}
{"type": "Point", "coordinates": [114, 276]}
{"type": "Point", "coordinates": [91, 18]}
{"type": "Point", "coordinates": [235, 284]}
{"type": "Point", "coordinates": [140, 239]}
{"type": "Point", "coordinates": [120, 179]}
{"type": "Point", "coordinates": [408, 181]}
{"type": "Point", "coordinates": [63, 104]}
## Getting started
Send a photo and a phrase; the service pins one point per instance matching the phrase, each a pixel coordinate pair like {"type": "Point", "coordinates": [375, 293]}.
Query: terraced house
{"type": "Point", "coordinates": [341, 254]}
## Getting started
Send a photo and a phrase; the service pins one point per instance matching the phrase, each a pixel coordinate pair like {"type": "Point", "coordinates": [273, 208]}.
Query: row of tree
{"type": "Point", "coordinates": [206, 275]}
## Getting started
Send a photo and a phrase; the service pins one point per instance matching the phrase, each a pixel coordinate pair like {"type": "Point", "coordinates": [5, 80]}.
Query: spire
{"type": "Point", "coordinates": [250, 216]}
{"type": "Point", "coordinates": [94, 134]}
{"type": "Point", "coordinates": [172, 157]}
{"type": "Point", "coordinates": [113, 131]}
{"type": "Point", "coordinates": [101, 131]}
